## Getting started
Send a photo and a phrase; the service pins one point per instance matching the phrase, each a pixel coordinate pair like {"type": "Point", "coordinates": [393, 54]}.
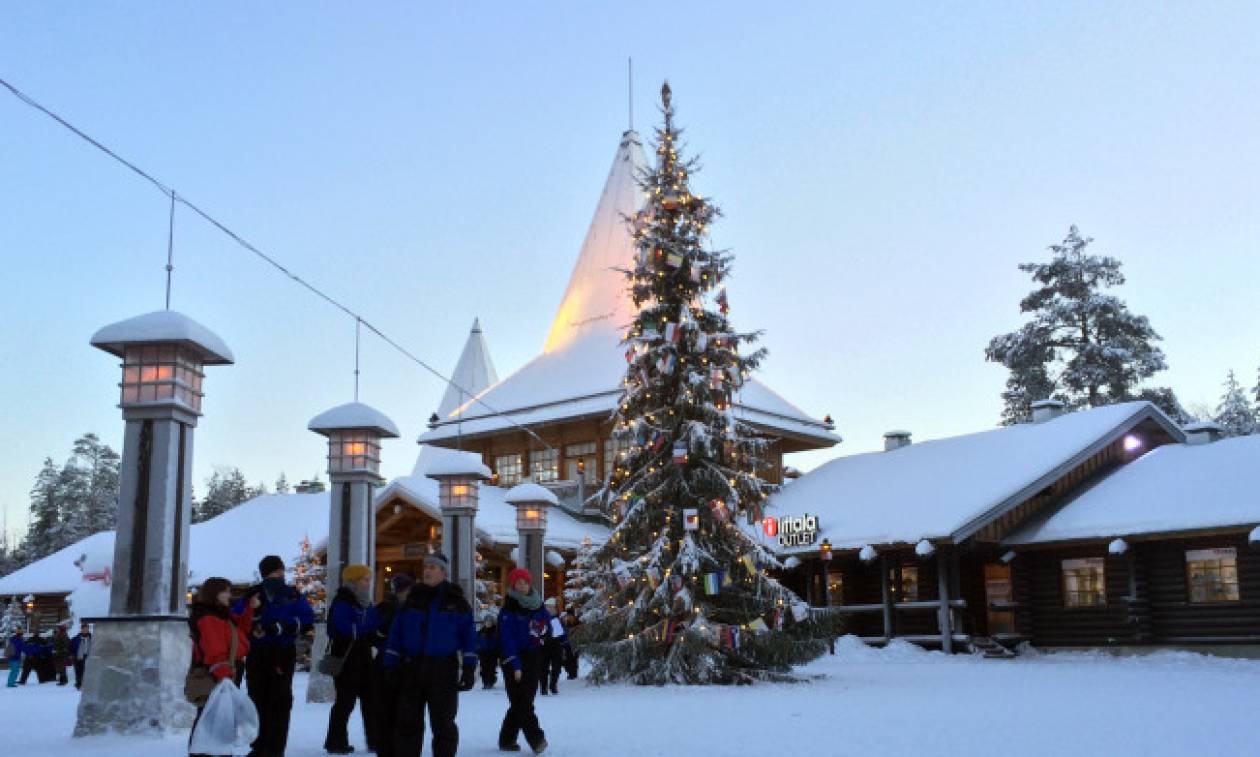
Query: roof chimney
{"type": "Point", "coordinates": [896, 440]}
{"type": "Point", "coordinates": [1046, 410]}
{"type": "Point", "coordinates": [1203, 432]}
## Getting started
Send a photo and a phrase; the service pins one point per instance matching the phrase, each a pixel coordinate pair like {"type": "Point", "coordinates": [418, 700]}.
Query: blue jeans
{"type": "Point", "coordinates": [15, 669]}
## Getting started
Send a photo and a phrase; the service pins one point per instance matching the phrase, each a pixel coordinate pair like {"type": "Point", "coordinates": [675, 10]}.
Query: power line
{"type": "Point", "coordinates": [177, 197]}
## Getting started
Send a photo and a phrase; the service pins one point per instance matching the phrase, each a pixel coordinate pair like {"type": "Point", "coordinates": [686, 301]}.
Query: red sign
{"type": "Point", "coordinates": [770, 526]}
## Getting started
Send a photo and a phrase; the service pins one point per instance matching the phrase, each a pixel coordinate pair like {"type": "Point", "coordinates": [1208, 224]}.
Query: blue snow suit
{"type": "Point", "coordinates": [521, 631]}
{"type": "Point", "coordinates": [436, 623]}
{"type": "Point", "coordinates": [283, 615]}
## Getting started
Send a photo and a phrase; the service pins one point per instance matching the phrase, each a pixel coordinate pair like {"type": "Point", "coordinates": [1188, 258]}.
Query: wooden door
{"type": "Point", "coordinates": [998, 591]}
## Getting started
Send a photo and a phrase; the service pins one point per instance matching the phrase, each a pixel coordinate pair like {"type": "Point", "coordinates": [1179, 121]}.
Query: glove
{"type": "Point", "coordinates": [468, 678]}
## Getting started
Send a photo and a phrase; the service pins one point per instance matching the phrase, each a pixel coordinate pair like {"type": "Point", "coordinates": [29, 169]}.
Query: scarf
{"type": "Point", "coordinates": [531, 601]}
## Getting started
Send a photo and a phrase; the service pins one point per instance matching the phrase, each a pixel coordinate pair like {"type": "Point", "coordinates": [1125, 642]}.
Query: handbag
{"type": "Point", "coordinates": [199, 682]}
{"type": "Point", "coordinates": [331, 665]}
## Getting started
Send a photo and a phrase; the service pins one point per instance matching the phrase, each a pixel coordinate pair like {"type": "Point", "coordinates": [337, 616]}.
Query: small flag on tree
{"type": "Point", "coordinates": [712, 583]}
{"type": "Point", "coordinates": [719, 509]}
{"type": "Point", "coordinates": [691, 519]}
{"type": "Point", "coordinates": [680, 454]}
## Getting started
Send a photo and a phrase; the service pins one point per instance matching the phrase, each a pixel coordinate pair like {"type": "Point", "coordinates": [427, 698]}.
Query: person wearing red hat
{"type": "Point", "coordinates": [523, 624]}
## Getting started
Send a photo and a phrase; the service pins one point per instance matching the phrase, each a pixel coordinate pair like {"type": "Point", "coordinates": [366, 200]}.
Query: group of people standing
{"type": "Point", "coordinates": [408, 656]}
{"type": "Point", "coordinates": [47, 657]}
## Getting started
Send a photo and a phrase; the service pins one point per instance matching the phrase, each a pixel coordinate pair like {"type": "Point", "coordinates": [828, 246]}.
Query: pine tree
{"type": "Point", "coordinates": [1166, 400]}
{"type": "Point", "coordinates": [282, 484]}
{"type": "Point", "coordinates": [225, 489]}
{"type": "Point", "coordinates": [581, 582]}
{"type": "Point", "coordinates": [45, 534]}
{"type": "Point", "coordinates": [1082, 346]}
{"type": "Point", "coordinates": [308, 573]}
{"type": "Point", "coordinates": [1235, 413]}
{"type": "Point", "coordinates": [689, 469]}
{"type": "Point", "coordinates": [13, 619]}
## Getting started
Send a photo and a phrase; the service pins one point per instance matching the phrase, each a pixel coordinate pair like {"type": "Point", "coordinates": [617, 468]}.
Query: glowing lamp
{"type": "Point", "coordinates": [1132, 443]}
{"type": "Point", "coordinates": [354, 433]}
{"type": "Point", "coordinates": [824, 550]}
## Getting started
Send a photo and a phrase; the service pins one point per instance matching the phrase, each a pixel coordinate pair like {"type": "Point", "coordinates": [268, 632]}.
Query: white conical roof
{"type": "Point", "coordinates": [595, 299]}
{"type": "Point", "coordinates": [473, 373]}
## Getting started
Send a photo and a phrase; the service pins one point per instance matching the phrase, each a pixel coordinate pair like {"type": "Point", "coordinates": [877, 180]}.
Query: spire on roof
{"type": "Point", "coordinates": [473, 373]}
{"type": "Point", "coordinates": [595, 299]}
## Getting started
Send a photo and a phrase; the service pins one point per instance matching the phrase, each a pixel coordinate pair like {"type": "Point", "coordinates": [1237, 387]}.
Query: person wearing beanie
{"type": "Point", "coordinates": [432, 632]}
{"type": "Point", "coordinates": [281, 616]}
{"type": "Point", "coordinates": [385, 696]}
{"type": "Point", "coordinates": [523, 624]}
{"type": "Point", "coordinates": [351, 631]}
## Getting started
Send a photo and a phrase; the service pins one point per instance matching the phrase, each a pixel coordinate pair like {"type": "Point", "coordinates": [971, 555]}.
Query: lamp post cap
{"type": "Point", "coordinates": [457, 463]}
{"type": "Point", "coordinates": [353, 415]}
{"type": "Point", "coordinates": [163, 327]}
{"type": "Point", "coordinates": [529, 492]}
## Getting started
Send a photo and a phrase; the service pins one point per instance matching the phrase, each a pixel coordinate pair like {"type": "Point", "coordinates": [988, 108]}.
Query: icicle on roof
{"type": "Point", "coordinates": [595, 299]}
{"type": "Point", "coordinates": [473, 373]}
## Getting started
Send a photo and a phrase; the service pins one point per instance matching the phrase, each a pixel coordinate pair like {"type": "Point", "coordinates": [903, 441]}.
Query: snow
{"type": "Point", "coordinates": [1167, 704]}
{"type": "Point", "coordinates": [353, 415]}
{"type": "Point", "coordinates": [530, 492]}
{"type": "Point", "coordinates": [933, 489]}
{"type": "Point", "coordinates": [867, 553]}
{"type": "Point", "coordinates": [1117, 547]}
{"type": "Point", "coordinates": [924, 548]}
{"type": "Point", "coordinates": [56, 573]}
{"type": "Point", "coordinates": [1254, 536]}
{"type": "Point", "coordinates": [473, 373]}
{"type": "Point", "coordinates": [230, 545]}
{"type": "Point", "coordinates": [1171, 488]}
{"type": "Point", "coordinates": [455, 463]}
{"type": "Point", "coordinates": [163, 326]}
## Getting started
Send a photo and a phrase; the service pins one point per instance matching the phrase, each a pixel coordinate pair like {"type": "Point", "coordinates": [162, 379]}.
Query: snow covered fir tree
{"type": "Point", "coordinates": [1083, 346]}
{"type": "Point", "coordinates": [1235, 413]}
{"type": "Point", "coordinates": [13, 618]}
{"type": "Point", "coordinates": [308, 576]}
{"type": "Point", "coordinates": [680, 594]}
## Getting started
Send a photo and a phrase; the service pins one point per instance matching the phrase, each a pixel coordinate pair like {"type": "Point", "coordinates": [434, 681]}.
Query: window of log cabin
{"type": "Point", "coordinates": [509, 469]}
{"type": "Point", "coordinates": [1084, 582]}
{"type": "Point", "coordinates": [1212, 575]}
{"type": "Point", "coordinates": [835, 588]}
{"type": "Point", "coordinates": [544, 465]}
{"type": "Point", "coordinates": [586, 453]}
{"type": "Point", "coordinates": [908, 589]}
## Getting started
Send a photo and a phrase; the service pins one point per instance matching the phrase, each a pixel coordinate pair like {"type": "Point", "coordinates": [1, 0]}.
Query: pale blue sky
{"type": "Point", "coordinates": [882, 171]}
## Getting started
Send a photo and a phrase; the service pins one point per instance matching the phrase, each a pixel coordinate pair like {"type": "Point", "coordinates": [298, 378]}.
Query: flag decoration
{"type": "Point", "coordinates": [757, 625]}
{"type": "Point", "coordinates": [702, 341]}
{"type": "Point", "coordinates": [724, 305]}
{"type": "Point", "coordinates": [716, 377]}
{"type": "Point", "coordinates": [800, 612]}
{"type": "Point", "coordinates": [720, 511]}
{"type": "Point", "coordinates": [673, 260]}
{"type": "Point", "coordinates": [695, 274]}
{"type": "Point", "coordinates": [673, 333]}
{"type": "Point", "coordinates": [654, 577]}
{"type": "Point", "coordinates": [680, 453]}
{"type": "Point", "coordinates": [658, 441]}
{"type": "Point", "coordinates": [666, 363]}
{"type": "Point", "coordinates": [691, 519]}
{"type": "Point", "coordinates": [712, 583]}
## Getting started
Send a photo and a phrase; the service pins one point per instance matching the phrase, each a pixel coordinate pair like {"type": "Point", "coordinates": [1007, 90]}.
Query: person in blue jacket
{"type": "Point", "coordinates": [430, 635]}
{"type": "Point", "coordinates": [488, 651]}
{"type": "Point", "coordinates": [351, 632]}
{"type": "Point", "coordinates": [282, 616]}
{"type": "Point", "coordinates": [523, 624]}
{"type": "Point", "coordinates": [13, 653]}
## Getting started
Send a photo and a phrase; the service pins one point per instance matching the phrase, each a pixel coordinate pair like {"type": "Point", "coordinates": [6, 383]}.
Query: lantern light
{"type": "Point", "coordinates": [354, 432]}
{"type": "Point", "coordinates": [824, 550]}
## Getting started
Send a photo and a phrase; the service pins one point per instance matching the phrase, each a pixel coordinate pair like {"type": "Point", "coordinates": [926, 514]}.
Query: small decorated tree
{"type": "Point", "coordinates": [581, 582]}
{"type": "Point", "coordinates": [680, 593]}
{"type": "Point", "coordinates": [13, 619]}
{"type": "Point", "coordinates": [308, 576]}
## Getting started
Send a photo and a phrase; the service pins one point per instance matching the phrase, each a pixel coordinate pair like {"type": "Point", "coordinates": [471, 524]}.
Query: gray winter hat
{"type": "Point", "coordinates": [438, 559]}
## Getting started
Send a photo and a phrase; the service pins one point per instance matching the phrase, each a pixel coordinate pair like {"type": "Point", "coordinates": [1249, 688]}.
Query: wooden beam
{"type": "Point", "coordinates": [944, 613]}
{"type": "Point", "coordinates": [887, 598]}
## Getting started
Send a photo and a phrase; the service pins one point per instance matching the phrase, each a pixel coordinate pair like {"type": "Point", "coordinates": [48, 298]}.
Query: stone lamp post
{"type": "Point", "coordinates": [458, 475]}
{"type": "Point", "coordinates": [354, 433]}
{"type": "Point", "coordinates": [134, 681]}
{"type": "Point", "coordinates": [531, 502]}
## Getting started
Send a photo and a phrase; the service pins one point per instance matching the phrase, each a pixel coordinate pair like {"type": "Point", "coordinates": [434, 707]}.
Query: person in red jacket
{"type": "Point", "coordinates": [213, 625]}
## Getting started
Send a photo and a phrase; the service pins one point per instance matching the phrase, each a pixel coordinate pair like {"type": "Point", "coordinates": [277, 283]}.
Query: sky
{"type": "Point", "coordinates": [882, 170]}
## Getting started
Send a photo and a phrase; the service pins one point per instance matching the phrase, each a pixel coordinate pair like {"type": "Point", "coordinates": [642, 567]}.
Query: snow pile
{"type": "Point", "coordinates": [1117, 547]}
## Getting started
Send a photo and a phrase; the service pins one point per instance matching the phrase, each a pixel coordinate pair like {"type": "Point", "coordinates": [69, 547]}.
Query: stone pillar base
{"type": "Point", "coordinates": [134, 681]}
{"type": "Point", "coordinates": [319, 687]}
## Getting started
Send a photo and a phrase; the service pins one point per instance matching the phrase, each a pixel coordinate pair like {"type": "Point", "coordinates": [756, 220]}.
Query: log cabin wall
{"type": "Point", "coordinates": [1040, 591]}
{"type": "Point", "coordinates": [1174, 619]}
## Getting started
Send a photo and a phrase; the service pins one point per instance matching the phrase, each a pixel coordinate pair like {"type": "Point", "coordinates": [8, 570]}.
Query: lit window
{"type": "Point", "coordinates": [353, 450]}
{"type": "Point", "coordinates": [509, 469]}
{"type": "Point", "coordinates": [544, 465]}
{"type": "Point", "coordinates": [1212, 575]}
{"type": "Point", "coordinates": [161, 373]}
{"type": "Point", "coordinates": [1084, 582]}
{"type": "Point", "coordinates": [835, 588]}
{"type": "Point", "coordinates": [908, 591]}
{"type": "Point", "coordinates": [580, 459]}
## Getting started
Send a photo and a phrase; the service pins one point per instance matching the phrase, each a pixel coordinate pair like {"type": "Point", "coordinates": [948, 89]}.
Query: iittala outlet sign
{"type": "Point", "coordinates": [796, 531]}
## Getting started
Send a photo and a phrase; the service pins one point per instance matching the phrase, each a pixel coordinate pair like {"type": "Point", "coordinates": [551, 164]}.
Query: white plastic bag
{"type": "Point", "coordinates": [228, 723]}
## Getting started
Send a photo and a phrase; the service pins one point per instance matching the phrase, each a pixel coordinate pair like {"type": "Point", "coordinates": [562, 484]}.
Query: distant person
{"type": "Point", "coordinates": [385, 711]}
{"type": "Point", "coordinates": [555, 649]}
{"type": "Point", "coordinates": [571, 622]}
{"type": "Point", "coordinates": [80, 649]}
{"type": "Point", "coordinates": [432, 633]}
{"type": "Point", "coordinates": [13, 653]}
{"type": "Point", "coordinates": [488, 651]}
{"type": "Point", "coordinates": [32, 651]}
{"type": "Point", "coordinates": [350, 635]}
{"type": "Point", "coordinates": [282, 616]}
{"type": "Point", "coordinates": [220, 637]}
{"type": "Point", "coordinates": [61, 654]}
{"type": "Point", "coordinates": [523, 624]}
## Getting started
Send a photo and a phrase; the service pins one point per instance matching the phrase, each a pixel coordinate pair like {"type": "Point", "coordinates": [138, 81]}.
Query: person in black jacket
{"type": "Point", "coordinates": [488, 651]}
{"type": "Point", "coordinates": [282, 616]}
{"type": "Point", "coordinates": [350, 636]}
{"type": "Point", "coordinates": [555, 649]}
{"type": "Point", "coordinates": [522, 626]}
{"type": "Point", "coordinates": [430, 635]}
{"type": "Point", "coordinates": [386, 697]}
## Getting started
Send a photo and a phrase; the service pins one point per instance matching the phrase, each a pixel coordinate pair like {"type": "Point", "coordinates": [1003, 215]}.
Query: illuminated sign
{"type": "Point", "coordinates": [796, 531]}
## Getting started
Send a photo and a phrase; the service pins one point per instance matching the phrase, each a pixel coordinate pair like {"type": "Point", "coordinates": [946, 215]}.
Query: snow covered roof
{"type": "Point", "coordinates": [530, 492]}
{"type": "Point", "coordinates": [57, 572]}
{"type": "Point", "coordinates": [455, 463]}
{"type": "Point", "coordinates": [1176, 487]}
{"type": "Point", "coordinates": [473, 373]}
{"type": "Point", "coordinates": [949, 488]}
{"type": "Point", "coordinates": [580, 370]}
{"type": "Point", "coordinates": [163, 326]}
{"type": "Point", "coordinates": [353, 415]}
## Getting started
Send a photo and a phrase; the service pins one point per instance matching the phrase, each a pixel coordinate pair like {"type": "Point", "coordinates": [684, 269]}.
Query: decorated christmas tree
{"type": "Point", "coordinates": [680, 593]}
{"type": "Point", "coordinates": [13, 619]}
{"type": "Point", "coordinates": [308, 576]}
{"type": "Point", "coordinates": [581, 580]}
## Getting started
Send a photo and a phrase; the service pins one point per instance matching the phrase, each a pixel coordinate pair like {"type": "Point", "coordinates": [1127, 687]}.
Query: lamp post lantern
{"type": "Point", "coordinates": [140, 652]}
{"type": "Point", "coordinates": [531, 502]}
{"type": "Point", "coordinates": [458, 475]}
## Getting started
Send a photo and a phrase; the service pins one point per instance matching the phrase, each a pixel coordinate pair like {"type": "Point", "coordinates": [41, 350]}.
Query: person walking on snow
{"type": "Point", "coordinates": [350, 634]}
{"type": "Point", "coordinates": [80, 648]}
{"type": "Point", "coordinates": [385, 697]}
{"type": "Point", "coordinates": [555, 650]}
{"type": "Point", "coordinates": [220, 637]}
{"type": "Point", "coordinates": [522, 625]}
{"type": "Point", "coordinates": [13, 653]}
{"type": "Point", "coordinates": [61, 654]}
{"type": "Point", "coordinates": [432, 633]}
{"type": "Point", "coordinates": [282, 616]}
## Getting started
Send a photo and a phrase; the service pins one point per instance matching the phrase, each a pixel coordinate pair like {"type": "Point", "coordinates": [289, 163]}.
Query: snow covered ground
{"type": "Point", "coordinates": [891, 702]}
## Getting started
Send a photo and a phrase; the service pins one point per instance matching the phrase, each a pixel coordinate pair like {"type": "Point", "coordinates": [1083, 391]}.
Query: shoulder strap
{"type": "Point", "coordinates": [232, 654]}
